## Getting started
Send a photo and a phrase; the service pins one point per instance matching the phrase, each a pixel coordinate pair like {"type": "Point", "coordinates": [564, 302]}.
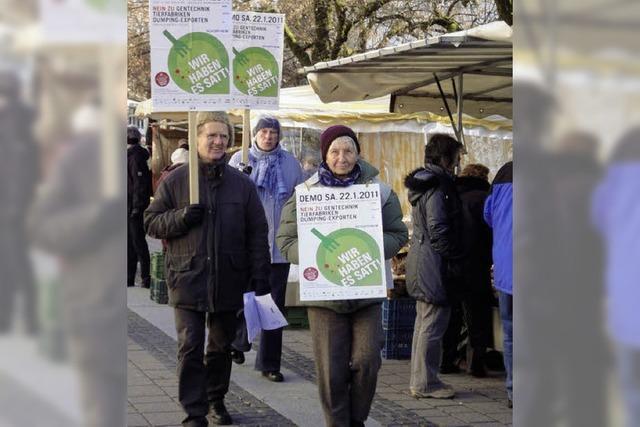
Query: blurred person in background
{"type": "Point", "coordinates": [72, 218]}
{"type": "Point", "coordinates": [616, 213]}
{"type": "Point", "coordinates": [310, 165]}
{"type": "Point", "coordinates": [217, 250]}
{"type": "Point", "coordinates": [275, 172]}
{"type": "Point", "coordinates": [434, 263]}
{"type": "Point", "coordinates": [19, 166]}
{"type": "Point", "coordinates": [178, 157]}
{"type": "Point", "coordinates": [498, 214]}
{"type": "Point", "coordinates": [578, 343]}
{"type": "Point", "coordinates": [138, 197]}
{"type": "Point", "coordinates": [346, 334]}
{"type": "Point", "coordinates": [477, 300]}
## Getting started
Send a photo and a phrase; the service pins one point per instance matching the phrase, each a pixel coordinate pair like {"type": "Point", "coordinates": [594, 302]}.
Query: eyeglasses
{"type": "Point", "coordinates": [214, 136]}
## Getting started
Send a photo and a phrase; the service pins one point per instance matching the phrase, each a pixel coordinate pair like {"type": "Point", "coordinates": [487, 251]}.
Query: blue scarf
{"type": "Point", "coordinates": [267, 171]}
{"type": "Point", "coordinates": [328, 179]}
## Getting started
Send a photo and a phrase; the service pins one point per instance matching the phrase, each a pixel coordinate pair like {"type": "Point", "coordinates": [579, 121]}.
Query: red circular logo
{"type": "Point", "coordinates": [310, 273]}
{"type": "Point", "coordinates": [162, 79]}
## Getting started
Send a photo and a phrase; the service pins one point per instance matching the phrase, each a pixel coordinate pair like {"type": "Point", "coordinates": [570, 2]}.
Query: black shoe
{"type": "Point", "coordinates": [237, 356]}
{"type": "Point", "coordinates": [275, 376]}
{"type": "Point", "coordinates": [220, 415]}
{"type": "Point", "coordinates": [449, 369]}
{"type": "Point", "coordinates": [479, 372]}
{"type": "Point", "coordinates": [509, 403]}
{"type": "Point", "coordinates": [146, 283]}
{"type": "Point", "coordinates": [354, 423]}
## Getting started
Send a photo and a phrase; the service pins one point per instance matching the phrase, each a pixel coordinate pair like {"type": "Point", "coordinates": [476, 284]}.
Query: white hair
{"type": "Point", "coordinates": [345, 138]}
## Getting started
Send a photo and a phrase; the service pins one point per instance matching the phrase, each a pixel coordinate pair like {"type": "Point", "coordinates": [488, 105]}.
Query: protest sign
{"type": "Point", "coordinates": [190, 61]}
{"type": "Point", "coordinates": [341, 250]}
{"type": "Point", "coordinates": [204, 57]}
{"type": "Point", "coordinates": [258, 40]}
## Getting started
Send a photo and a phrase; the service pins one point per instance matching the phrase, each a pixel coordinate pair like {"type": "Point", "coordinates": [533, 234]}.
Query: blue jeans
{"type": "Point", "coordinates": [506, 316]}
{"type": "Point", "coordinates": [628, 360]}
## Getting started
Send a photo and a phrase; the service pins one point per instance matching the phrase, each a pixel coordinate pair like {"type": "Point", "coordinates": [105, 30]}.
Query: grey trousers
{"type": "Point", "coordinates": [426, 348]}
{"type": "Point", "coordinates": [347, 357]}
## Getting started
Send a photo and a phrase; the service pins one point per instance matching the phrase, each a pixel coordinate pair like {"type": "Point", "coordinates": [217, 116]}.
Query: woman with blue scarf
{"type": "Point", "coordinates": [275, 173]}
{"type": "Point", "coordinates": [346, 334]}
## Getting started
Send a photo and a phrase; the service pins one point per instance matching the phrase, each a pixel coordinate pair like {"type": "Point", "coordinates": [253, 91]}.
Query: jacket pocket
{"type": "Point", "coordinates": [180, 262]}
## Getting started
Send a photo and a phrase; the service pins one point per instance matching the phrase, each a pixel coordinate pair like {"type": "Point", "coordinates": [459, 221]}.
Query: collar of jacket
{"type": "Point", "coordinates": [368, 173]}
{"type": "Point", "coordinates": [213, 171]}
{"type": "Point", "coordinates": [470, 183]}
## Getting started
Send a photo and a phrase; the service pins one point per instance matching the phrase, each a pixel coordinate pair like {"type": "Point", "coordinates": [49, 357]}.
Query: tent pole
{"type": "Point", "coordinates": [459, 101]}
{"type": "Point", "coordinates": [446, 105]}
{"type": "Point", "coordinates": [194, 193]}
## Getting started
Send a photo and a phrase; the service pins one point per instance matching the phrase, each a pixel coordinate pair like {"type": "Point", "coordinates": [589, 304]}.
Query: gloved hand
{"type": "Point", "coordinates": [193, 215]}
{"type": "Point", "coordinates": [245, 168]}
{"type": "Point", "coordinates": [135, 213]}
{"type": "Point", "coordinates": [240, 313]}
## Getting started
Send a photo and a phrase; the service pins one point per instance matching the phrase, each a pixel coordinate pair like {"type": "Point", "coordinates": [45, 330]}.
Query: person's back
{"type": "Point", "coordinates": [433, 263]}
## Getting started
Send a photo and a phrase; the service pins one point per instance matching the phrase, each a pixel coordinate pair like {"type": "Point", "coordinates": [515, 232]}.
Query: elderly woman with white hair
{"type": "Point", "coordinates": [346, 334]}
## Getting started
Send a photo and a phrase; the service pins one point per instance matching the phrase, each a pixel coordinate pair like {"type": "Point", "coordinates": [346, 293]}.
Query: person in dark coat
{"type": "Point", "coordinates": [138, 195]}
{"type": "Point", "coordinates": [217, 250]}
{"type": "Point", "coordinates": [475, 306]}
{"type": "Point", "coordinates": [18, 177]}
{"type": "Point", "coordinates": [433, 263]}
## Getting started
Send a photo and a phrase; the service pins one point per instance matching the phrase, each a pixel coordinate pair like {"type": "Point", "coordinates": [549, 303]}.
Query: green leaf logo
{"type": "Point", "coordinates": [349, 257]}
{"type": "Point", "coordinates": [255, 72]}
{"type": "Point", "coordinates": [198, 63]}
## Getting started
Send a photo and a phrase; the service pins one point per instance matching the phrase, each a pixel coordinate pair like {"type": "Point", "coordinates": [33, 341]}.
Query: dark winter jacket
{"type": "Point", "coordinates": [138, 179]}
{"type": "Point", "coordinates": [434, 272]}
{"type": "Point", "coordinates": [498, 213]}
{"type": "Point", "coordinates": [394, 234]}
{"type": "Point", "coordinates": [476, 235]}
{"type": "Point", "coordinates": [211, 265]}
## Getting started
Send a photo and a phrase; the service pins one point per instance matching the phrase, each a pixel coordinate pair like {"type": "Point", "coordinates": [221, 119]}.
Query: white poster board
{"type": "Point", "coordinates": [190, 54]}
{"type": "Point", "coordinates": [258, 43]}
{"type": "Point", "coordinates": [340, 245]}
{"type": "Point", "coordinates": [205, 57]}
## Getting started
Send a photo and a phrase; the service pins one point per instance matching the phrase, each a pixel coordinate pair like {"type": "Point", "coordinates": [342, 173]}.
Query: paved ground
{"type": "Point", "coordinates": [253, 401]}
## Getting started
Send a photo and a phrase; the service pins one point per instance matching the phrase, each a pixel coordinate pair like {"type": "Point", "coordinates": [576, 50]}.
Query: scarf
{"type": "Point", "coordinates": [328, 179]}
{"type": "Point", "coordinates": [267, 171]}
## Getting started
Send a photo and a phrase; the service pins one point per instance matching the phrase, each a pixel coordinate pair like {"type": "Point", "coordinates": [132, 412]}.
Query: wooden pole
{"type": "Point", "coordinates": [246, 134]}
{"type": "Point", "coordinates": [194, 193]}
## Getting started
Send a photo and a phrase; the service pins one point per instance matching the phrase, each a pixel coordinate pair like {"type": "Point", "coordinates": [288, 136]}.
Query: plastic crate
{"type": "Point", "coordinates": [397, 343]}
{"type": "Point", "coordinates": [158, 291]}
{"type": "Point", "coordinates": [297, 317]}
{"type": "Point", "coordinates": [157, 265]}
{"type": "Point", "coordinates": [398, 313]}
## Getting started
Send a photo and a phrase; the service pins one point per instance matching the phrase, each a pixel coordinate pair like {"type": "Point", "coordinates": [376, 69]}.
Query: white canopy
{"type": "Point", "coordinates": [417, 74]}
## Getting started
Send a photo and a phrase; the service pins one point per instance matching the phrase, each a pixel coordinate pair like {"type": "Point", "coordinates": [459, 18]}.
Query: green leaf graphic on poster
{"type": "Point", "coordinates": [349, 257]}
{"type": "Point", "coordinates": [198, 63]}
{"type": "Point", "coordinates": [255, 72]}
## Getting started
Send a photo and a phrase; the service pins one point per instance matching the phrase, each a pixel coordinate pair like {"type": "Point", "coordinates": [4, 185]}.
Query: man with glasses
{"type": "Point", "coordinates": [217, 250]}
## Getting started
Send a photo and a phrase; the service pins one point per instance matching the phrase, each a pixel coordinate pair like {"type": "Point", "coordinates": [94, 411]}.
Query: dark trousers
{"type": "Point", "coordinates": [346, 348]}
{"type": "Point", "coordinates": [270, 349]}
{"type": "Point", "coordinates": [475, 311]}
{"type": "Point", "coordinates": [137, 250]}
{"type": "Point", "coordinates": [453, 336]}
{"type": "Point", "coordinates": [202, 382]}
